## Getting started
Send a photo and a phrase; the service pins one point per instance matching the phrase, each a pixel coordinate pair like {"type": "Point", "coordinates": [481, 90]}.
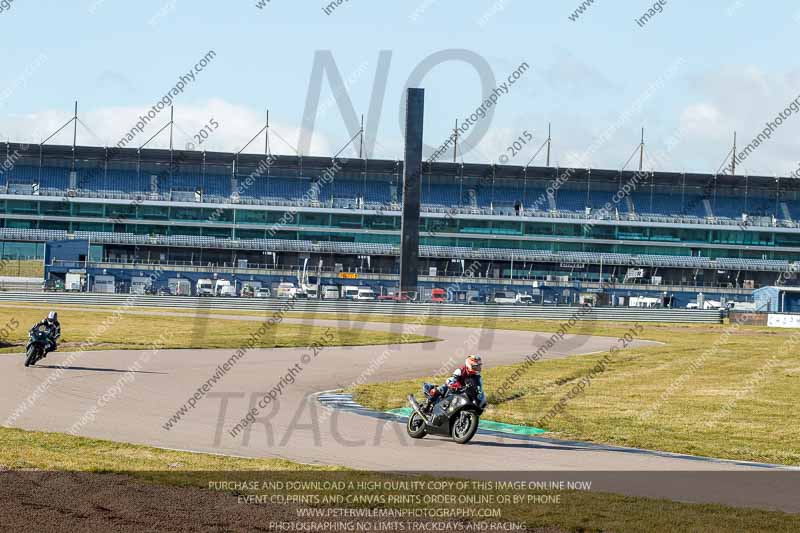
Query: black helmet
{"type": "Point", "coordinates": [52, 316]}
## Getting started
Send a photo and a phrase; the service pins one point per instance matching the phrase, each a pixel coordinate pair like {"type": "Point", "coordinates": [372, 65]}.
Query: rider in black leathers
{"type": "Point", "coordinates": [53, 328]}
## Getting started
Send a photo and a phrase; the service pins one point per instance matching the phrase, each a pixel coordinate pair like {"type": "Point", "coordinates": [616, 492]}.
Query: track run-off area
{"type": "Point", "coordinates": [294, 425]}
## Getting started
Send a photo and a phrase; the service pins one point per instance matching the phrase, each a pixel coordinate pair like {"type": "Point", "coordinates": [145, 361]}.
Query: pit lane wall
{"type": "Point", "coordinates": [538, 312]}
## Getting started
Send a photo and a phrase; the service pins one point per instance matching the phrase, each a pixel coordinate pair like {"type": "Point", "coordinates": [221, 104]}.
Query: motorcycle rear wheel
{"type": "Point", "coordinates": [30, 357]}
{"type": "Point", "coordinates": [416, 426]}
{"type": "Point", "coordinates": [465, 427]}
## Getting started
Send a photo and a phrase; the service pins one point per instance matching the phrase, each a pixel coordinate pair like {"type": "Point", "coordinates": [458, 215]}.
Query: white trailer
{"type": "Point", "coordinates": [74, 281]}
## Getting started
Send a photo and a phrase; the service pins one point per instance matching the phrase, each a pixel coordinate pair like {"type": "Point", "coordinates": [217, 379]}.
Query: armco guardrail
{"type": "Point", "coordinates": [620, 314]}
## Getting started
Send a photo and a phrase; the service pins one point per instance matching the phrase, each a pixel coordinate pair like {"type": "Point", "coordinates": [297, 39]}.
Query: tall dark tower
{"type": "Point", "coordinates": [412, 172]}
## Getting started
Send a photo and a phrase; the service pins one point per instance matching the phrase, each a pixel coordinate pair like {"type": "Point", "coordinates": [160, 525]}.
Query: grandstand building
{"type": "Point", "coordinates": [251, 215]}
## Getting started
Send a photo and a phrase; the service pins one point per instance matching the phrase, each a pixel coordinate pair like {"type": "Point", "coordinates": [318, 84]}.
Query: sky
{"type": "Point", "coordinates": [690, 75]}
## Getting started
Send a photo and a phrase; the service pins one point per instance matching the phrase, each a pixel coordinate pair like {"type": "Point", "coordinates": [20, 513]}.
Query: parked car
{"type": "Point", "coordinates": [263, 292]}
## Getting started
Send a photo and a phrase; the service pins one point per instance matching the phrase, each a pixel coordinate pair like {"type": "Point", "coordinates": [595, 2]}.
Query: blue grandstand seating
{"type": "Point", "coordinates": [347, 189]}
{"type": "Point", "coordinates": [535, 198]}
{"type": "Point", "coordinates": [756, 205]}
{"type": "Point", "coordinates": [378, 192]}
{"type": "Point", "coordinates": [345, 192]}
{"type": "Point", "coordinates": [599, 198]}
{"type": "Point", "coordinates": [659, 203]}
{"type": "Point", "coordinates": [570, 200]}
{"type": "Point", "coordinates": [217, 185]}
{"type": "Point", "coordinates": [53, 178]}
{"type": "Point", "coordinates": [123, 181]}
{"type": "Point", "coordinates": [287, 188]}
{"type": "Point", "coordinates": [728, 207]}
{"type": "Point", "coordinates": [183, 182]}
{"type": "Point", "coordinates": [22, 174]}
{"type": "Point", "coordinates": [256, 188]}
{"type": "Point", "coordinates": [440, 195]}
{"type": "Point", "coordinates": [504, 196]}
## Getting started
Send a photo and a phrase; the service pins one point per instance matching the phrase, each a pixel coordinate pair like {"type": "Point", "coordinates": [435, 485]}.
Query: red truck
{"type": "Point", "coordinates": [438, 296]}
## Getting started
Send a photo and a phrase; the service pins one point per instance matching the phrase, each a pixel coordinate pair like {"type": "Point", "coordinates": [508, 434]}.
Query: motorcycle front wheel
{"type": "Point", "coordinates": [465, 426]}
{"type": "Point", "coordinates": [416, 426]}
{"type": "Point", "coordinates": [30, 357]}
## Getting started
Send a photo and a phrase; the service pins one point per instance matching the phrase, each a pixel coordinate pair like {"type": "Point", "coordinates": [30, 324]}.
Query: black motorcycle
{"type": "Point", "coordinates": [456, 415]}
{"type": "Point", "coordinates": [39, 340]}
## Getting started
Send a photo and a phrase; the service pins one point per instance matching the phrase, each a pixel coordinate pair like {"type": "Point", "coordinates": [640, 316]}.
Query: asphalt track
{"type": "Point", "coordinates": [298, 428]}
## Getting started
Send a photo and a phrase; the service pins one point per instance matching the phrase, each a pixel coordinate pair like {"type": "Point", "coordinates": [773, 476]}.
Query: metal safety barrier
{"type": "Point", "coordinates": [539, 312]}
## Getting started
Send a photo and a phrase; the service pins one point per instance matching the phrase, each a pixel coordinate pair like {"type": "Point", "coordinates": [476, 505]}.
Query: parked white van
{"type": "Point", "coordinates": [505, 297]}
{"type": "Point", "coordinates": [329, 292]}
{"type": "Point", "coordinates": [286, 290]}
{"type": "Point", "coordinates": [365, 294]}
{"type": "Point", "coordinates": [349, 292]}
{"type": "Point", "coordinates": [205, 287]}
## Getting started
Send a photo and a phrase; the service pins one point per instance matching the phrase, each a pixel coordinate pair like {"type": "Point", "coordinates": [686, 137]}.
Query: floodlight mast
{"type": "Point", "coordinates": [74, 121]}
{"type": "Point", "coordinates": [548, 144]}
{"type": "Point", "coordinates": [264, 128]}
{"type": "Point", "coordinates": [156, 134]}
{"type": "Point", "coordinates": [74, 131]}
{"type": "Point", "coordinates": [455, 141]}
{"type": "Point", "coordinates": [641, 152]}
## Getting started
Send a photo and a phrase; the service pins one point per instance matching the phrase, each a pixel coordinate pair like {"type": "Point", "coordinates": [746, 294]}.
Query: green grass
{"type": "Point", "coordinates": [760, 426]}
{"type": "Point", "coordinates": [201, 330]}
{"type": "Point", "coordinates": [578, 511]}
{"type": "Point", "coordinates": [747, 388]}
{"type": "Point", "coordinates": [24, 450]}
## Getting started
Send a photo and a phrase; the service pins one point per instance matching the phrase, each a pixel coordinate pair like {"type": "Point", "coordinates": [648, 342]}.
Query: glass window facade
{"type": "Point", "coordinates": [251, 223]}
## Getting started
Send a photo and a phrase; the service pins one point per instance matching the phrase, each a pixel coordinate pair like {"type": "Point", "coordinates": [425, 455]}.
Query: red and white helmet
{"type": "Point", "coordinates": [474, 363]}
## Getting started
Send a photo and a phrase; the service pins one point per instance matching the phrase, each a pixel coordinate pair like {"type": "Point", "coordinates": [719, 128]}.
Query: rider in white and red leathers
{"type": "Point", "coordinates": [457, 381]}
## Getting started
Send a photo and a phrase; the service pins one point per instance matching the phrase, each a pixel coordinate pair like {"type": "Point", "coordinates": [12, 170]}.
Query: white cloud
{"type": "Point", "coordinates": [742, 100]}
{"type": "Point", "coordinates": [106, 126]}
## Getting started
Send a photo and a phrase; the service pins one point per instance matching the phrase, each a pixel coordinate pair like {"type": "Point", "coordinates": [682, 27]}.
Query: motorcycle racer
{"type": "Point", "coordinates": [53, 328]}
{"type": "Point", "coordinates": [457, 381]}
